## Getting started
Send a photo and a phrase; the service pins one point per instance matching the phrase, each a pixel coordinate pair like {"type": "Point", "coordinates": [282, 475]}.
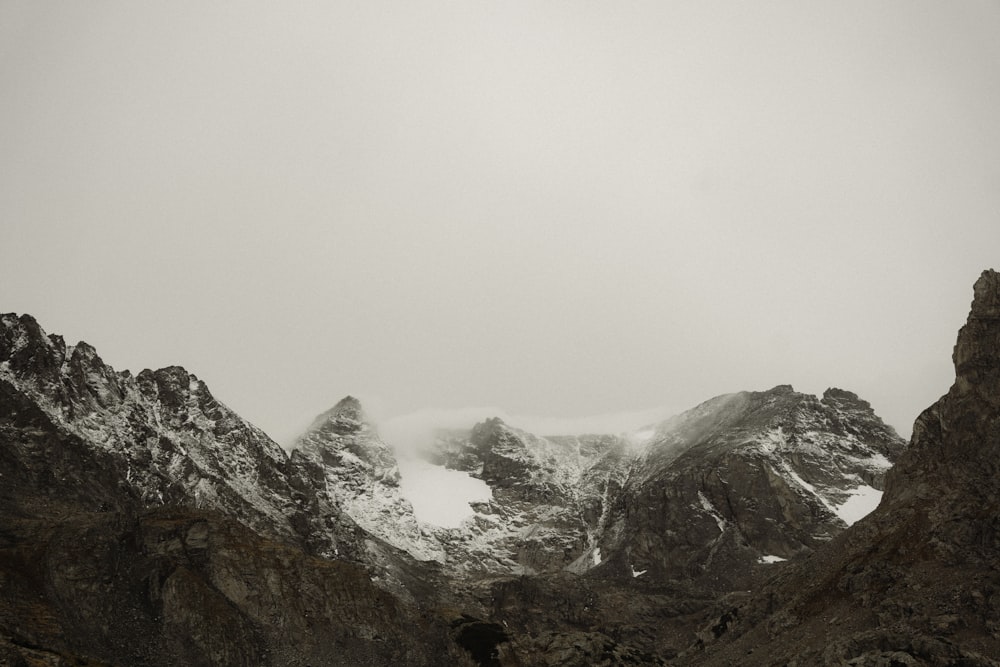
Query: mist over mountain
{"type": "Point", "coordinates": [145, 523]}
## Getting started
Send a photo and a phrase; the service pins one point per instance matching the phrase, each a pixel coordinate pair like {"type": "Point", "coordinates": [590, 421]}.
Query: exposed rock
{"type": "Point", "coordinates": [744, 479]}
{"type": "Point", "coordinates": [143, 522]}
{"type": "Point", "coordinates": [183, 587]}
{"type": "Point", "coordinates": [92, 460]}
{"type": "Point", "coordinates": [917, 582]}
{"type": "Point", "coordinates": [360, 474]}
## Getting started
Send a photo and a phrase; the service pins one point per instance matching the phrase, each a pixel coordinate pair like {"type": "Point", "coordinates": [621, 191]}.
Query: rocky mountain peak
{"type": "Point", "coordinates": [345, 418]}
{"type": "Point", "coordinates": [833, 394]}
{"type": "Point", "coordinates": [915, 582]}
{"type": "Point", "coordinates": [953, 452]}
{"type": "Point", "coordinates": [349, 408]}
{"type": "Point", "coordinates": [25, 348]}
{"type": "Point", "coordinates": [977, 351]}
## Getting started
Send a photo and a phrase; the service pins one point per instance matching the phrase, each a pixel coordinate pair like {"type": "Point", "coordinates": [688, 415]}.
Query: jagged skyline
{"type": "Point", "coordinates": [558, 210]}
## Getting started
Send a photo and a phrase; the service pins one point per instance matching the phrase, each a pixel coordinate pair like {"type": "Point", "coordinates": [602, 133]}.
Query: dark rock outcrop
{"type": "Point", "coordinates": [178, 586]}
{"type": "Point", "coordinates": [917, 582]}
{"type": "Point", "coordinates": [744, 480]}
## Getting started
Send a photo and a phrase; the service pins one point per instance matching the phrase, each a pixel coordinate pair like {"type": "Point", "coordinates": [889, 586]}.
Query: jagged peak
{"type": "Point", "coordinates": [986, 295]}
{"type": "Point", "coordinates": [20, 331]}
{"type": "Point", "coordinates": [349, 408]}
{"type": "Point", "coordinates": [10, 320]}
{"type": "Point", "coordinates": [346, 416]}
{"type": "Point", "coordinates": [492, 428]}
{"type": "Point", "coordinates": [834, 396]}
{"type": "Point", "coordinates": [977, 351]}
{"type": "Point", "coordinates": [492, 423]}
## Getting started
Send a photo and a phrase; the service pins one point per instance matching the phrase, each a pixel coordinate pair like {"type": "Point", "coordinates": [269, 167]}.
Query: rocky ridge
{"type": "Point", "coordinates": [598, 549]}
{"type": "Point", "coordinates": [917, 582]}
{"type": "Point", "coordinates": [144, 523]}
{"type": "Point", "coordinates": [779, 471]}
{"type": "Point", "coordinates": [746, 479]}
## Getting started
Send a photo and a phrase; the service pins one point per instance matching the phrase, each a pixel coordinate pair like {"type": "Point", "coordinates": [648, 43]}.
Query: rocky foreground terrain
{"type": "Point", "coordinates": [142, 522]}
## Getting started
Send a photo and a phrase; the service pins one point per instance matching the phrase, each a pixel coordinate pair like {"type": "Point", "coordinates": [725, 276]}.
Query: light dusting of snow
{"type": "Point", "coordinates": [862, 501]}
{"type": "Point", "coordinates": [771, 441]}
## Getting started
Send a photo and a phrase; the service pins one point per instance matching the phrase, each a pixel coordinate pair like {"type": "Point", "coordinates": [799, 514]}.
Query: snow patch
{"type": "Point", "coordinates": [637, 573]}
{"type": "Point", "coordinates": [440, 496]}
{"type": "Point", "coordinates": [707, 505]}
{"type": "Point", "coordinates": [771, 559]}
{"type": "Point", "coordinates": [597, 556]}
{"type": "Point", "coordinates": [863, 500]}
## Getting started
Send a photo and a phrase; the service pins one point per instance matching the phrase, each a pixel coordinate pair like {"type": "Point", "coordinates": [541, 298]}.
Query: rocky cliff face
{"type": "Point", "coordinates": [917, 582]}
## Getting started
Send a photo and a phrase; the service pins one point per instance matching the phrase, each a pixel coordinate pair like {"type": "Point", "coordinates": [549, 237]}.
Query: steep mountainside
{"type": "Point", "coordinates": [144, 523]}
{"type": "Point", "coordinates": [739, 481]}
{"type": "Point", "coordinates": [747, 478]}
{"type": "Point", "coordinates": [124, 507]}
{"type": "Point", "coordinates": [361, 473]}
{"type": "Point", "coordinates": [162, 432]}
{"type": "Point", "coordinates": [917, 582]}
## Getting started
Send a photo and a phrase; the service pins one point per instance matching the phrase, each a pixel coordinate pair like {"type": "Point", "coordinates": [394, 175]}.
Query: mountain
{"type": "Point", "coordinates": [161, 434]}
{"type": "Point", "coordinates": [917, 582]}
{"type": "Point", "coordinates": [142, 522]}
{"type": "Point", "coordinates": [630, 539]}
{"type": "Point", "coordinates": [361, 473]}
{"type": "Point", "coordinates": [747, 478]}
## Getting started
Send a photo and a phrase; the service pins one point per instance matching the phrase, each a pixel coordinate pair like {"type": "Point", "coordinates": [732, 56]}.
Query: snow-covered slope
{"type": "Point", "coordinates": [362, 476]}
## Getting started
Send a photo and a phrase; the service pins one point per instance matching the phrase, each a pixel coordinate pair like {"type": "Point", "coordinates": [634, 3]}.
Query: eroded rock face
{"type": "Point", "coordinates": [918, 581]}
{"type": "Point", "coordinates": [166, 439]}
{"type": "Point", "coordinates": [182, 587]}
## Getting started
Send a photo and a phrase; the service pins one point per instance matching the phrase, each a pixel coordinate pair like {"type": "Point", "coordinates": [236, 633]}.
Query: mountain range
{"type": "Point", "coordinates": [142, 522]}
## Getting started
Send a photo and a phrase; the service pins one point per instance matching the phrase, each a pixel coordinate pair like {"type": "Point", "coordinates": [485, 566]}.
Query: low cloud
{"type": "Point", "coordinates": [410, 431]}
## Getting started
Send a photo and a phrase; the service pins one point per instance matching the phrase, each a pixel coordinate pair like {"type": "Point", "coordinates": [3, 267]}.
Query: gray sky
{"type": "Point", "coordinates": [558, 208]}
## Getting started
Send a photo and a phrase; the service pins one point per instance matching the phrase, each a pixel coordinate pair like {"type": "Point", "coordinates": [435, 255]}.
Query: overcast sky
{"type": "Point", "coordinates": [555, 208]}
